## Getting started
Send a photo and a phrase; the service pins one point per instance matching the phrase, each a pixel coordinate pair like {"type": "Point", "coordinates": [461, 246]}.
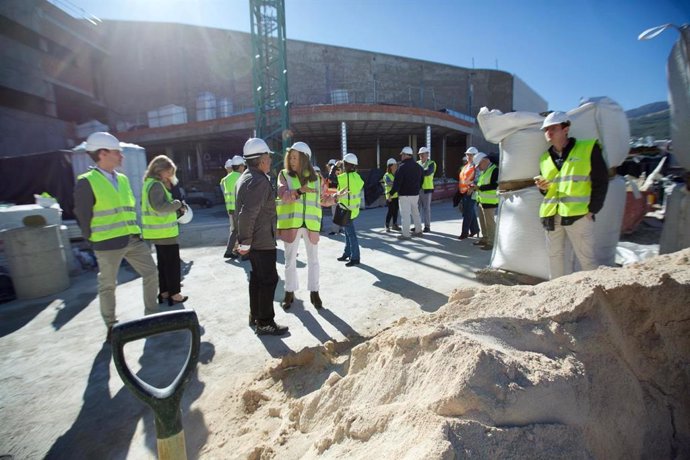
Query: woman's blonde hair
{"type": "Point", "coordinates": [305, 171]}
{"type": "Point", "coordinates": [158, 165]}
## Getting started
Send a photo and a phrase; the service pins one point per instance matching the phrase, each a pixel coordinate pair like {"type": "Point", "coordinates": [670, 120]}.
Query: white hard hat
{"type": "Point", "coordinates": [187, 216]}
{"type": "Point", "coordinates": [331, 162]}
{"type": "Point", "coordinates": [228, 164]}
{"type": "Point", "coordinates": [102, 140]}
{"type": "Point", "coordinates": [351, 158]}
{"type": "Point", "coordinates": [555, 118]}
{"type": "Point", "coordinates": [407, 151]}
{"type": "Point", "coordinates": [302, 147]}
{"type": "Point", "coordinates": [478, 158]}
{"type": "Point", "coordinates": [471, 151]}
{"type": "Point", "coordinates": [237, 160]}
{"type": "Point", "coordinates": [391, 161]}
{"type": "Point", "coordinates": [423, 150]}
{"type": "Point", "coordinates": [317, 169]}
{"type": "Point", "coordinates": [254, 148]}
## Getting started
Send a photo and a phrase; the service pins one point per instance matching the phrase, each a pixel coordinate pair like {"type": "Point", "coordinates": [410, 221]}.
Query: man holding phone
{"type": "Point", "coordinates": [574, 181]}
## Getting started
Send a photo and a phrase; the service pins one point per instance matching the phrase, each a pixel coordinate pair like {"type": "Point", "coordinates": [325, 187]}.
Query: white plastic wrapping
{"type": "Point", "coordinates": [520, 153]}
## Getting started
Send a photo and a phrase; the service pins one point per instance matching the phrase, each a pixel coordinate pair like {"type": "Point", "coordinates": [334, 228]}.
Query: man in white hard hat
{"type": "Point", "coordinates": [487, 199]}
{"type": "Point", "coordinates": [574, 181]}
{"type": "Point", "coordinates": [407, 184]}
{"type": "Point", "coordinates": [106, 212]}
{"type": "Point", "coordinates": [429, 167]}
{"type": "Point", "coordinates": [255, 209]}
{"type": "Point", "coordinates": [466, 180]}
{"type": "Point", "coordinates": [234, 167]}
{"type": "Point", "coordinates": [333, 170]}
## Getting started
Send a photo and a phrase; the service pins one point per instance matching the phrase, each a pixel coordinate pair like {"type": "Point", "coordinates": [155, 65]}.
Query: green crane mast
{"type": "Point", "coordinates": [269, 68]}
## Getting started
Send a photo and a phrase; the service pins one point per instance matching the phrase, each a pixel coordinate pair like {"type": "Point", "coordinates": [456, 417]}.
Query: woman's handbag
{"type": "Point", "coordinates": [342, 216]}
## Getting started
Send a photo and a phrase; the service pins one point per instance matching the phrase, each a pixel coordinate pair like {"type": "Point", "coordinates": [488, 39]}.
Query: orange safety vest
{"type": "Point", "coordinates": [466, 178]}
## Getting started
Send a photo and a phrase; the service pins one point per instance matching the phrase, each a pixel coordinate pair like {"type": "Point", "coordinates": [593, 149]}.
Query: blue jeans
{"type": "Point", "coordinates": [351, 243]}
{"type": "Point", "coordinates": [470, 226]}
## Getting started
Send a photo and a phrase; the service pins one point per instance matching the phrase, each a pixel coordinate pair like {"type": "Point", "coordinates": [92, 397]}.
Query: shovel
{"type": "Point", "coordinates": [165, 402]}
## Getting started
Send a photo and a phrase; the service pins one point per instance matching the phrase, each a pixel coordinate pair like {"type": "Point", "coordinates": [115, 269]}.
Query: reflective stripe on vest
{"type": "Point", "coordinates": [351, 200]}
{"type": "Point", "coordinates": [305, 211]}
{"type": "Point", "coordinates": [571, 187]}
{"type": "Point", "coordinates": [486, 196]}
{"type": "Point", "coordinates": [155, 225]}
{"type": "Point", "coordinates": [428, 182]}
{"type": "Point", "coordinates": [388, 179]}
{"type": "Point", "coordinates": [114, 212]}
{"type": "Point", "coordinates": [228, 186]}
{"type": "Point", "coordinates": [466, 178]}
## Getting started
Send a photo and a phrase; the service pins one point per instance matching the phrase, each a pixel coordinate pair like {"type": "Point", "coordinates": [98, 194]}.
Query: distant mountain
{"type": "Point", "coordinates": [650, 120]}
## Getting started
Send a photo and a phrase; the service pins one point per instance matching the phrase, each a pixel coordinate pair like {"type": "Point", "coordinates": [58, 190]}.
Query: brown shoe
{"type": "Point", "coordinates": [287, 300]}
{"type": "Point", "coordinates": [315, 300]}
{"type": "Point", "coordinates": [479, 243]}
{"type": "Point", "coordinates": [487, 247]}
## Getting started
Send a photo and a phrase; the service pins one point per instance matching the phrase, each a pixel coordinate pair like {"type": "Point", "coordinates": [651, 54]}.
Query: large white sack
{"type": "Point", "coordinates": [678, 70]}
{"type": "Point", "coordinates": [496, 125]}
{"type": "Point", "coordinates": [520, 244]}
{"type": "Point", "coordinates": [603, 119]}
{"type": "Point", "coordinates": [520, 153]}
{"type": "Point", "coordinates": [607, 226]}
{"type": "Point", "coordinates": [676, 232]}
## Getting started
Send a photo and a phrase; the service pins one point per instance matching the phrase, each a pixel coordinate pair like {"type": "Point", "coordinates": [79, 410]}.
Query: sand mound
{"type": "Point", "coordinates": [593, 365]}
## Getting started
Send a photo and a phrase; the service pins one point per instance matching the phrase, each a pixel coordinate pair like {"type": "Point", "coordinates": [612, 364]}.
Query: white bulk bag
{"type": "Point", "coordinates": [520, 244]}
{"type": "Point", "coordinates": [520, 153]}
{"type": "Point", "coordinates": [603, 119]}
{"type": "Point", "coordinates": [676, 232]}
{"type": "Point", "coordinates": [678, 70]}
{"type": "Point", "coordinates": [608, 221]}
{"type": "Point", "coordinates": [496, 125]}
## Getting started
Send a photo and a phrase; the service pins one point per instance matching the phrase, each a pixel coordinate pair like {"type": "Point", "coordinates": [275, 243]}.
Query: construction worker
{"type": "Point", "coordinates": [255, 208]}
{"type": "Point", "coordinates": [350, 185]}
{"type": "Point", "coordinates": [407, 184]}
{"type": "Point", "coordinates": [299, 218]}
{"type": "Point", "coordinates": [391, 198]}
{"type": "Point", "coordinates": [159, 213]}
{"type": "Point", "coordinates": [574, 181]}
{"type": "Point", "coordinates": [106, 212]}
{"type": "Point", "coordinates": [334, 168]}
{"type": "Point", "coordinates": [487, 198]}
{"type": "Point", "coordinates": [234, 167]}
{"type": "Point", "coordinates": [429, 167]}
{"type": "Point", "coordinates": [466, 179]}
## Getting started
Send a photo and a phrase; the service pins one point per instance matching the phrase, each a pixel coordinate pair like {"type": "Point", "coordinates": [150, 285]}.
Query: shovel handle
{"type": "Point", "coordinates": [165, 402]}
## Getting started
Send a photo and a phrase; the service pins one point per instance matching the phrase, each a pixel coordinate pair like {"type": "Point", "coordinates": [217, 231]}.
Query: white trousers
{"type": "Point", "coordinates": [291, 280]}
{"type": "Point", "coordinates": [581, 236]}
{"type": "Point", "coordinates": [409, 205]}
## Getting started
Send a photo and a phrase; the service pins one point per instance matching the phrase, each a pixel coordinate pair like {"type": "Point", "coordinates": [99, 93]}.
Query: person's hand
{"type": "Point", "coordinates": [590, 216]}
{"type": "Point", "coordinates": [388, 200]}
{"type": "Point", "coordinates": [542, 183]}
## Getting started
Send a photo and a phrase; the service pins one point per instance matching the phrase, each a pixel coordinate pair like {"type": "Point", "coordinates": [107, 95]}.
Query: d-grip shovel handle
{"type": "Point", "coordinates": [165, 402]}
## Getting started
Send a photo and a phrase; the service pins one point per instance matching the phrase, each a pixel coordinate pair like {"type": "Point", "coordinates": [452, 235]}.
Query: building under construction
{"type": "Point", "coordinates": [188, 91]}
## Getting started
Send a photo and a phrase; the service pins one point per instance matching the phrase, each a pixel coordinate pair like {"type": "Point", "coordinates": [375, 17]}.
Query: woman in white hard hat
{"type": "Point", "coordinates": [159, 213]}
{"type": "Point", "coordinates": [391, 198]}
{"type": "Point", "coordinates": [299, 218]}
{"type": "Point", "coordinates": [350, 185]}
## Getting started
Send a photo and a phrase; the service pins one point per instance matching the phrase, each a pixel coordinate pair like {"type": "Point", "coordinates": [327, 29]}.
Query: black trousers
{"type": "Point", "coordinates": [392, 214]}
{"type": "Point", "coordinates": [263, 280]}
{"type": "Point", "coordinates": [168, 256]}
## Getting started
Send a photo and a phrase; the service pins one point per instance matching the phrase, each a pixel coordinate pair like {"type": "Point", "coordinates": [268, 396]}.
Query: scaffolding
{"type": "Point", "coordinates": [269, 67]}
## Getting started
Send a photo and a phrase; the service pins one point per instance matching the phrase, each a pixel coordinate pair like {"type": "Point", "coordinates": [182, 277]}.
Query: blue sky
{"type": "Point", "coordinates": [564, 50]}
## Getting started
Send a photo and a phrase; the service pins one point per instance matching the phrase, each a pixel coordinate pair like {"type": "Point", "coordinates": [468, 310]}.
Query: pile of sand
{"type": "Point", "coordinates": [594, 364]}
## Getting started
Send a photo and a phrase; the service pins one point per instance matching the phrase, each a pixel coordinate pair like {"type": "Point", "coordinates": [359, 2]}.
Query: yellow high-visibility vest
{"type": "Point", "coordinates": [228, 185]}
{"type": "Point", "coordinates": [388, 179]}
{"type": "Point", "coordinates": [305, 211]}
{"type": "Point", "coordinates": [114, 213]}
{"type": "Point", "coordinates": [351, 200]}
{"type": "Point", "coordinates": [571, 187]}
{"type": "Point", "coordinates": [428, 182]}
{"type": "Point", "coordinates": [156, 225]}
{"type": "Point", "coordinates": [486, 196]}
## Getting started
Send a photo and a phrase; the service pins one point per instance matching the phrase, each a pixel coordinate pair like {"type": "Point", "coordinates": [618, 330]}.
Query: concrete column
{"type": "Point", "coordinates": [443, 156]}
{"type": "Point", "coordinates": [199, 160]}
{"type": "Point", "coordinates": [428, 138]}
{"type": "Point", "coordinates": [378, 153]}
{"type": "Point", "coordinates": [343, 139]}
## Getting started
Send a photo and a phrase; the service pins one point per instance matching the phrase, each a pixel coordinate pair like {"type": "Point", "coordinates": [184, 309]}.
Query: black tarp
{"type": "Point", "coordinates": [23, 176]}
{"type": "Point", "coordinates": [372, 185]}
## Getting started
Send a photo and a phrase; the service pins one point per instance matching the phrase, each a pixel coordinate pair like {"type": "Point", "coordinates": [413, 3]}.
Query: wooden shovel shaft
{"type": "Point", "coordinates": [172, 448]}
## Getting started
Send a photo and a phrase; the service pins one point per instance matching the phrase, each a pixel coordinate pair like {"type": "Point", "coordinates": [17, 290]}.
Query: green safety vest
{"type": "Point", "coordinates": [428, 182]}
{"type": "Point", "coordinates": [228, 185]}
{"type": "Point", "coordinates": [388, 179]}
{"type": "Point", "coordinates": [305, 211]}
{"type": "Point", "coordinates": [486, 196]}
{"type": "Point", "coordinates": [354, 183]}
{"type": "Point", "coordinates": [114, 212]}
{"type": "Point", "coordinates": [155, 225]}
{"type": "Point", "coordinates": [571, 187]}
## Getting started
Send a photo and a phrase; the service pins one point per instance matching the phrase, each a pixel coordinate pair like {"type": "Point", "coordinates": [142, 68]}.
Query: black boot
{"type": "Point", "coordinates": [287, 301]}
{"type": "Point", "coordinates": [315, 300]}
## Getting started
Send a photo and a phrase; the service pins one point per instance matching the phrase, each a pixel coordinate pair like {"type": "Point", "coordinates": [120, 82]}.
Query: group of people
{"type": "Point", "coordinates": [573, 180]}
{"type": "Point", "coordinates": [106, 211]}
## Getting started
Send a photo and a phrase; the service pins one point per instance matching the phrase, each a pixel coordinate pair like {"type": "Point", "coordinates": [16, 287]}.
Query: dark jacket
{"type": "Point", "coordinates": [408, 178]}
{"type": "Point", "coordinates": [255, 210]}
